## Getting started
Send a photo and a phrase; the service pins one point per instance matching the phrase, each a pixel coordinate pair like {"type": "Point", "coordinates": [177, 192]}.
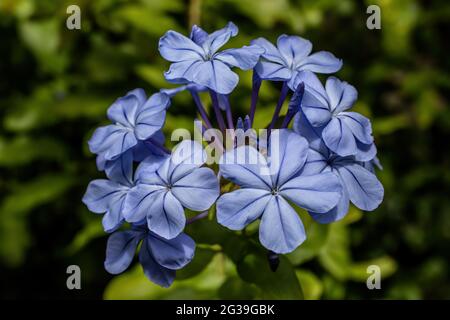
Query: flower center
{"type": "Point", "coordinates": [275, 191]}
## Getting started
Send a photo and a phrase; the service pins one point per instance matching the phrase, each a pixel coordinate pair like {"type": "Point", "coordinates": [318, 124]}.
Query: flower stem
{"type": "Point", "coordinates": [228, 113]}
{"type": "Point", "coordinates": [201, 109]}
{"type": "Point", "coordinates": [200, 216]}
{"type": "Point", "coordinates": [215, 103]}
{"type": "Point", "coordinates": [276, 114]}
{"type": "Point", "coordinates": [256, 85]}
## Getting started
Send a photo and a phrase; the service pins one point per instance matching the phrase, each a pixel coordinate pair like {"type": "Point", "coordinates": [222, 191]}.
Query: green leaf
{"type": "Point", "coordinates": [281, 284]}
{"type": "Point", "coordinates": [317, 237]}
{"type": "Point", "coordinates": [235, 289]}
{"type": "Point", "coordinates": [311, 285]}
{"type": "Point", "coordinates": [201, 259]}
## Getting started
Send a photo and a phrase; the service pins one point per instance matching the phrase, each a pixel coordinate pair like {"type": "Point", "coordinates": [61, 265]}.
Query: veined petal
{"type": "Point", "coordinates": [113, 218]}
{"type": "Point", "coordinates": [363, 187]}
{"type": "Point", "coordinates": [313, 86]}
{"type": "Point", "coordinates": [341, 94]}
{"type": "Point", "coordinates": [166, 216]}
{"type": "Point", "coordinates": [359, 125]}
{"type": "Point", "coordinates": [183, 71]}
{"type": "Point", "coordinates": [198, 35]}
{"type": "Point", "coordinates": [293, 48]}
{"type": "Point", "coordinates": [173, 254]}
{"type": "Point", "coordinates": [312, 134]}
{"type": "Point", "coordinates": [197, 190]}
{"type": "Point", "coordinates": [318, 114]}
{"type": "Point", "coordinates": [272, 71]}
{"type": "Point", "coordinates": [366, 152]}
{"type": "Point", "coordinates": [244, 58]}
{"type": "Point", "coordinates": [120, 250]}
{"type": "Point", "coordinates": [139, 201]}
{"type": "Point", "coordinates": [246, 167]}
{"type": "Point", "coordinates": [111, 141]}
{"type": "Point", "coordinates": [237, 209]}
{"type": "Point", "coordinates": [316, 163]}
{"type": "Point", "coordinates": [271, 53]}
{"type": "Point", "coordinates": [152, 269]}
{"type": "Point", "coordinates": [216, 75]}
{"type": "Point", "coordinates": [121, 169]}
{"type": "Point", "coordinates": [335, 214]}
{"type": "Point", "coordinates": [124, 109]}
{"type": "Point", "coordinates": [321, 62]}
{"type": "Point", "coordinates": [100, 193]}
{"type": "Point", "coordinates": [339, 138]}
{"type": "Point", "coordinates": [218, 38]}
{"type": "Point", "coordinates": [281, 229]}
{"type": "Point", "coordinates": [317, 193]}
{"type": "Point", "coordinates": [287, 154]}
{"type": "Point", "coordinates": [147, 168]}
{"type": "Point", "coordinates": [151, 116]}
{"type": "Point", "coordinates": [175, 47]}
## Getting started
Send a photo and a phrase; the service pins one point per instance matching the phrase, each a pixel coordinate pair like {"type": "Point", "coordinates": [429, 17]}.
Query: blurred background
{"type": "Point", "coordinates": [56, 84]}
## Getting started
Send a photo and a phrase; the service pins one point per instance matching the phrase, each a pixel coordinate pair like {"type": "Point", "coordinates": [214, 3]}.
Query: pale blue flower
{"type": "Point", "coordinates": [267, 186]}
{"type": "Point", "coordinates": [197, 59]}
{"type": "Point", "coordinates": [346, 133]}
{"type": "Point", "coordinates": [291, 57]}
{"type": "Point", "coordinates": [167, 185]}
{"type": "Point", "coordinates": [159, 257]}
{"type": "Point", "coordinates": [360, 184]}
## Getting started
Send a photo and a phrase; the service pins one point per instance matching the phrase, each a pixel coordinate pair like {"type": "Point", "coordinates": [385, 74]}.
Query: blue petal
{"type": "Point", "coordinates": [216, 75]}
{"type": "Point", "coordinates": [100, 193]}
{"type": "Point", "coordinates": [273, 71]}
{"type": "Point", "coordinates": [317, 193]}
{"type": "Point", "coordinates": [294, 49]}
{"type": "Point", "coordinates": [124, 109]}
{"type": "Point", "coordinates": [183, 71]}
{"type": "Point", "coordinates": [321, 62]}
{"type": "Point", "coordinates": [287, 154]}
{"type": "Point", "coordinates": [312, 134]}
{"type": "Point", "coordinates": [316, 163]}
{"type": "Point", "coordinates": [366, 152]}
{"type": "Point", "coordinates": [166, 215]}
{"type": "Point", "coordinates": [121, 169]}
{"type": "Point", "coordinates": [113, 218]}
{"type": "Point", "coordinates": [152, 269]}
{"type": "Point", "coordinates": [341, 94]}
{"type": "Point", "coordinates": [237, 209]}
{"type": "Point", "coordinates": [139, 201]}
{"type": "Point", "coordinates": [218, 38]}
{"type": "Point", "coordinates": [197, 190]}
{"type": "Point", "coordinates": [246, 167]}
{"type": "Point", "coordinates": [339, 138]}
{"type": "Point", "coordinates": [172, 254]}
{"type": "Point", "coordinates": [363, 187]}
{"type": "Point", "coordinates": [112, 141]}
{"type": "Point", "coordinates": [271, 53]}
{"type": "Point", "coordinates": [120, 250]}
{"type": "Point", "coordinates": [175, 47]}
{"type": "Point", "coordinates": [359, 125]}
{"type": "Point", "coordinates": [335, 214]}
{"type": "Point", "coordinates": [151, 116]}
{"type": "Point", "coordinates": [198, 35]}
{"type": "Point", "coordinates": [281, 229]}
{"type": "Point", "coordinates": [148, 167]}
{"type": "Point", "coordinates": [244, 58]}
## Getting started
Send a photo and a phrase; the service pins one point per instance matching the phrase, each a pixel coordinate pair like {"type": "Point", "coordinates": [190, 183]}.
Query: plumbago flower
{"type": "Point", "coordinates": [197, 60]}
{"type": "Point", "coordinates": [345, 133]}
{"type": "Point", "coordinates": [167, 185]}
{"type": "Point", "coordinates": [291, 57]}
{"type": "Point", "coordinates": [360, 184]}
{"type": "Point", "coordinates": [267, 186]}
{"type": "Point", "coordinates": [327, 161]}
{"type": "Point", "coordinates": [135, 120]}
{"type": "Point", "coordinates": [159, 257]}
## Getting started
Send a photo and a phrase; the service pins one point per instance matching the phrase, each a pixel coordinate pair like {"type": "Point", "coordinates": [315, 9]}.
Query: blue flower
{"type": "Point", "coordinates": [345, 133]}
{"type": "Point", "coordinates": [197, 60]}
{"type": "Point", "coordinates": [159, 257]}
{"type": "Point", "coordinates": [267, 186]}
{"type": "Point", "coordinates": [291, 57]}
{"type": "Point", "coordinates": [360, 184]}
{"type": "Point", "coordinates": [108, 195]}
{"type": "Point", "coordinates": [135, 119]}
{"type": "Point", "coordinates": [165, 185]}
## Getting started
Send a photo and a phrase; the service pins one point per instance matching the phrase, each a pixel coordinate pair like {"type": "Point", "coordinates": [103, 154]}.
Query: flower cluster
{"type": "Point", "coordinates": [321, 165]}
